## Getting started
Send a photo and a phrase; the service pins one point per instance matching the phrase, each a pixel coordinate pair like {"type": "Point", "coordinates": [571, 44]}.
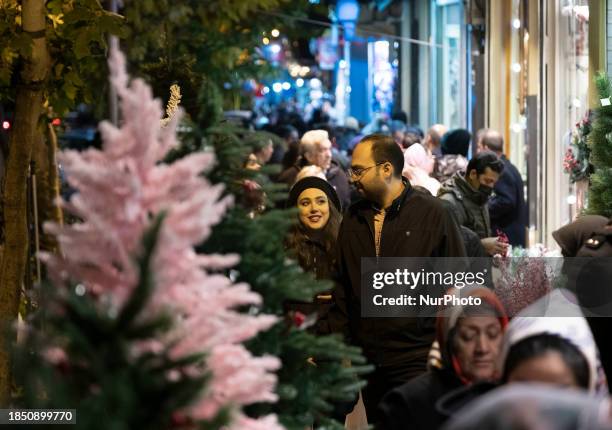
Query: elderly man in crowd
{"type": "Point", "coordinates": [316, 150]}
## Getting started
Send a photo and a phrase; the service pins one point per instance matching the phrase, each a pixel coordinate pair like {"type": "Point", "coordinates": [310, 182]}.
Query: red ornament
{"type": "Point", "coordinates": [298, 319]}
{"type": "Point", "coordinates": [502, 237]}
{"type": "Point", "coordinates": [180, 419]}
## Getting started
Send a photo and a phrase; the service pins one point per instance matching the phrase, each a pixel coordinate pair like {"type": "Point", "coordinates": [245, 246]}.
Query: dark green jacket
{"type": "Point", "coordinates": [469, 206]}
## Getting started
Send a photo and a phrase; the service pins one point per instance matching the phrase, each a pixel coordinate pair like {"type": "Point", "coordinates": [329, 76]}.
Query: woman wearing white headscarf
{"type": "Point", "coordinates": [534, 407]}
{"type": "Point", "coordinates": [418, 165]}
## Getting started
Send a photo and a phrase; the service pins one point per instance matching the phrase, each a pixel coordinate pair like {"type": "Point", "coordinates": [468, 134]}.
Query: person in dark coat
{"type": "Point", "coordinates": [316, 149]}
{"type": "Point", "coordinates": [455, 146]}
{"type": "Point", "coordinates": [471, 338]}
{"type": "Point", "coordinates": [468, 195]}
{"type": "Point", "coordinates": [286, 155]}
{"type": "Point", "coordinates": [507, 207]}
{"type": "Point", "coordinates": [393, 220]}
{"type": "Point", "coordinates": [590, 236]}
{"type": "Point", "coordinates": [312, 240]}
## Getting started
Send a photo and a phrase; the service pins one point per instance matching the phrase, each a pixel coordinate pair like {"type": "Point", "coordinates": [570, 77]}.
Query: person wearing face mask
{"type": "Point", "coordinates": [468, 195]}
{"type": "Point", "coordinates": [471, 337]}
{"type": "Point", "coordinates": [508, 208]}
{"type": "Point", "coordinates": [311, 241]}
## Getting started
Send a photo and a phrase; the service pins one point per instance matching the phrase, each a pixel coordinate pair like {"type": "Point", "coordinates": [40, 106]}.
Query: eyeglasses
{"type": "Point", "coordinates": [358, 172]}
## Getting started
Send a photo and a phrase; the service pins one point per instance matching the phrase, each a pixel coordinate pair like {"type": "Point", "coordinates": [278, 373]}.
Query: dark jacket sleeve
{"type": "Point", "coordinates": [454, 207]}
{"type": "Point", "coordinates": [395, 412]}
{"type": "Point", "coordinates": [338, 316]}
{"type": "Point", "coordinates": [503, 203]}
{"type": "Point", "coordinates": [451, 241]}
{"type": "Point", "coordinates": [473, 245]}
{"type": "Point", "coordinates": [342, 187]}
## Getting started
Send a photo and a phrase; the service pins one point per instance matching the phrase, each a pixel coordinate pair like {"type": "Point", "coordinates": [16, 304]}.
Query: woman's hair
{"type": "Point", "coordinates": [539, 345]}
{"type": "Point", "coordinates": [299, 234]}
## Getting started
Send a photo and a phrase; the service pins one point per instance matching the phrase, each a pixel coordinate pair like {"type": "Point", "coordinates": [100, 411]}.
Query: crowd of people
{"type": "Point", "coordinates": [395, 191]}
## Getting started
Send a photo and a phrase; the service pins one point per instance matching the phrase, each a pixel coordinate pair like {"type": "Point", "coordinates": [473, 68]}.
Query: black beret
{"type": "Point", "coordinates": [313, 182]}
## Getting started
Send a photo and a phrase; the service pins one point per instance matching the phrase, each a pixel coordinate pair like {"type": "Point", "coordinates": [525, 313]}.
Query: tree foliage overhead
{"type": "Point", "coordinates": [76, 36]}
{"type": "Point", "coordinates": [188, 41]}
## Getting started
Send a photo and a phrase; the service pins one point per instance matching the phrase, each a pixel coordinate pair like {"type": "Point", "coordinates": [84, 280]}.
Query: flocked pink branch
{"type": "Point", "coordinates": [120, 190]}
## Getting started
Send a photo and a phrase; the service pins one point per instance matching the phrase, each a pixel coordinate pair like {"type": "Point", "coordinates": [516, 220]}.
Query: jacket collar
{"type": "Point", "coordinates": [466, 189]}
{"type": "Point", "coordinates": [397, 203]}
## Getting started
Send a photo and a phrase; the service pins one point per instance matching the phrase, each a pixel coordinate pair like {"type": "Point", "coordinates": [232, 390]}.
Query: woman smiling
{"type": "Point", "coordinates": [311, 242]}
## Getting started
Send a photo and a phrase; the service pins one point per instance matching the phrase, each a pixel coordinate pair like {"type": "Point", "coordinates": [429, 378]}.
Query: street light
{"type": "Point", "coordinates": [347, 13]}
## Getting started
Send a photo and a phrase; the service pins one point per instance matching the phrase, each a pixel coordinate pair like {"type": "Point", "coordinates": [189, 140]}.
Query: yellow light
{"type": "Point", "coordinates": [265, 40]}
{"type": "Point", "coordinates": [275, 33]}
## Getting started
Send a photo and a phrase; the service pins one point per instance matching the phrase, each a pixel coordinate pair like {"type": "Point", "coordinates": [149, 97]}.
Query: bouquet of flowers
{"type": "Point", "coordinates": [524, 275]}
{"type": "Point", "coordinates": [576, 161]}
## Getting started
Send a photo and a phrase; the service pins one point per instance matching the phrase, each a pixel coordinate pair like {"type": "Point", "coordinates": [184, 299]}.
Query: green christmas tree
{"type": "Point", "coordinates": [315, 376]}
{"type": "Point", "coordinates": [600, 141]}
{"type": "Point", "coordinates": [94, 372]}
{"type": "Point", "coordinates": [138, 330]}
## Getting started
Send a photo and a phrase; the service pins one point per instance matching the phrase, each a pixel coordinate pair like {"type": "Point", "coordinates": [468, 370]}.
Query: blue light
{"type": "Point", "coordinates": [347, 10]}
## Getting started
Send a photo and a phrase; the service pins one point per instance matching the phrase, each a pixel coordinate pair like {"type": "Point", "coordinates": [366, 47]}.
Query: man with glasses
{"type": "Point", "coordinates": [393, 220]}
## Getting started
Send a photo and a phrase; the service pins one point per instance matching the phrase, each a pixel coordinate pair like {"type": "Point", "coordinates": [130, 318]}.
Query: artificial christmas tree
{"type": "Point", "coordinates": [314, 382]}
{"type": "Point", "coordinates": [600, 142]}
{"type": "Point", "coordinates": [139, 330]}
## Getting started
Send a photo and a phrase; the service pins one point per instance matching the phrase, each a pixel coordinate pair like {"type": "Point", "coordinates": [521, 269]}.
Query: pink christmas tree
{"type": "Point", "coordinates": [121, 190]}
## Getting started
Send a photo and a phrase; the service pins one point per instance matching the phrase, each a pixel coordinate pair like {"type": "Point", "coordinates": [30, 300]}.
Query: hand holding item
{"type": "Point", "coordinates": [493, 246]}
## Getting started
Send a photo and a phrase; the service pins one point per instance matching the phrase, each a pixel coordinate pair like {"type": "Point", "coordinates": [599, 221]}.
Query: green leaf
{"type": "Point", "coordinates": [74, 78]}
{"type": "Point", "coordinates": [112, 23]}
{"type": "Point", "coordinates": [78, 14]}
{"type": "Point", "coordinates": [55, 6]}
{"type": "Point", "coordinates": [70, 90]}
{"type": "Point", "coordinates": [146, 283]}
{"type": "Point", "coordinates": [81, 45]}
{"type": "Point", "coordinates": [58, 70]}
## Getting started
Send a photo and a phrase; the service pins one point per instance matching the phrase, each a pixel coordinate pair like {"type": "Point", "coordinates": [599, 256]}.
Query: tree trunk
{"type": "Point", "coordinates": [28, 104]}
{"type": "Point", "coordinates": [47, 186]}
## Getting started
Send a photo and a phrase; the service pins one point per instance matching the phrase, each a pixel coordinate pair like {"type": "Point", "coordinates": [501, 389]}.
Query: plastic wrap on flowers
{"type": "Point", "coordinates": [524, 275]}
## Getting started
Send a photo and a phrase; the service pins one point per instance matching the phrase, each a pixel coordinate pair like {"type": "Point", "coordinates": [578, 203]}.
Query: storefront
{"type": "Point", "coordinates": [539, 68]}
{"type": "Point", "coordinates": [435, 85]}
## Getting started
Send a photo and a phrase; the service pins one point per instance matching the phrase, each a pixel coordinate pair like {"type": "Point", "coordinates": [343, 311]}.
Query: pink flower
{"type": "Point", "coordinates": [55, 356]}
